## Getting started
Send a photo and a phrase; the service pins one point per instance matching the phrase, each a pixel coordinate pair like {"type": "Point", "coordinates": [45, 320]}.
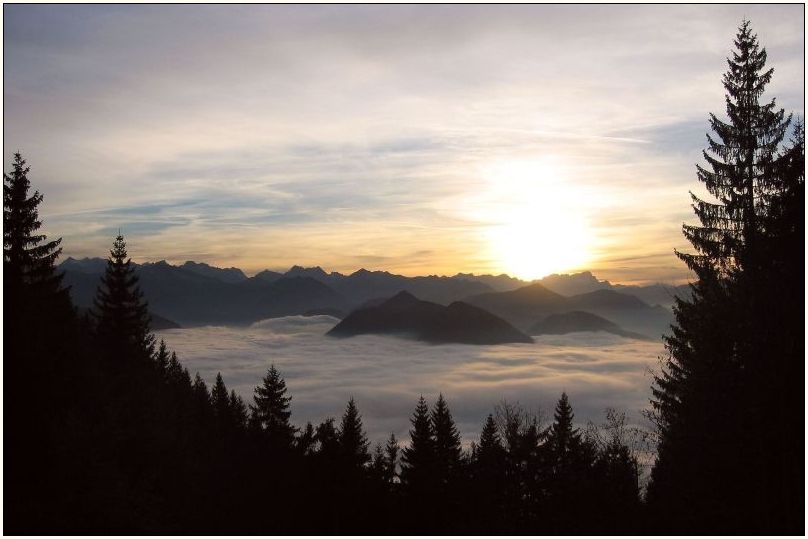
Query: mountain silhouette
{"type": "Point", "coordinates": [524, 306]}
{"type": "Point", "coordinates": [574, 321]}
{"type": "Point", "coordinates": [407, 316]}
{"type": "Point", "coordinates": [196, 293]}
{"type": "Point", "coordinates": [228, 275]}
{"type": "Point", "coordinates": [191, 298]}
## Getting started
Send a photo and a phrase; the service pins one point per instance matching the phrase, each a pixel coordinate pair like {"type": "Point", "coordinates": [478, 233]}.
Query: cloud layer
{"type": "Point", "coordinates": [348, 136]}
{"type": "Point", "coordinates": [386, 375]}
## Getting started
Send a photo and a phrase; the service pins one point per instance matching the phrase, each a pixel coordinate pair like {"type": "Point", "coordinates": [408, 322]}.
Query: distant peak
{"type": "Point", "coordinates": [296, 270]}
{"type": "Point", "coordinates": [403, 298]}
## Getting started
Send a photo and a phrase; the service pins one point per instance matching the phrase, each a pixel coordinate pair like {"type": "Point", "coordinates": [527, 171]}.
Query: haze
{"type": "Point", "coordinates": [386, 375]}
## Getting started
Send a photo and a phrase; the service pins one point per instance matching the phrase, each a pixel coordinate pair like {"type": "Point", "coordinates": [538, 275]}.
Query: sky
{"type": "Point", "coordinates": [415, 139]}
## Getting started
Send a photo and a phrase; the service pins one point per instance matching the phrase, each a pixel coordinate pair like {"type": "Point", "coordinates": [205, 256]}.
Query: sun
{"type": "Point", "coordinates": [536, 222]}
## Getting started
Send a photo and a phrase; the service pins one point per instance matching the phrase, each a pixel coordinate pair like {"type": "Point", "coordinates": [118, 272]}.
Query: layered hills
{"type": "Point", "coordinates": [407, 316]}
{"type": "Point", "coordinates": [197, 294]}
{"type": "Point", "coordinates": [575, 321]}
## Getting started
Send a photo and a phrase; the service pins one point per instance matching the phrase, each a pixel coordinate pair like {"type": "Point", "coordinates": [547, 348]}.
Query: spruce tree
{"type": "Point", "coordinates": [352, 439]}
{"type": "Point", "coordinates": [220, 400]}
{"type": "Point", "coordinates": [563, 438]}
{"type": "Point", "coordinates": [29, 272]}
{"type": "Point", "coordinates": [738, 343]}
{"type": "Point", "coordinates": [271, 410]}
{"type": "Point", "coordinates": [418, 469]}
{"type": "Point", "coordinates": [238, 411]}
{"type": "Point", "coordinates": [489, 479]}
{"type": "Point", "coordinates": [490, 447]}
{"type": "Point", "coordinates": [447, 442]}
{"type": "Point", "coordinates": [43, 364]}
{"type": "Point", "coordinates": [743, 156]}
{"type": "Point", "coordinates": [162, 358]}
{"type": "Point", "coordinates": [418, 460]}
{"type": "Point", "coordinates": [121, 313]}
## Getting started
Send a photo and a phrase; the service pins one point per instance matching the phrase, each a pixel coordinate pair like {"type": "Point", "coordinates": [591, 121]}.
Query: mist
{"type": "Point", "coordinates": [386, 375]}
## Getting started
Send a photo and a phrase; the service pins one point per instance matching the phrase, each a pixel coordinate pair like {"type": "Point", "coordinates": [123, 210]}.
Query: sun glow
{"type": "Point", "coordinates": [537, 223]}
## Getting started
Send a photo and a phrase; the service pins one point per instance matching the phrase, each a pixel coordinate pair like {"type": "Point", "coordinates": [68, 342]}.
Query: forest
{"type": "Point", "coordinates": [107, 432]}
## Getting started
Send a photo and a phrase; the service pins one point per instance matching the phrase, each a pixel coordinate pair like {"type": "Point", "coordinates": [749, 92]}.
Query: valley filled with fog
{"type": "Point", "coordinates": [386, 374]}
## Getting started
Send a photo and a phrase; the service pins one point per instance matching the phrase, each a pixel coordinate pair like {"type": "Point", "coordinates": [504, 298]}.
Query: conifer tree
{"type": "Point", "coordinates": [418, 460]}
{"type": "Point", "coordinates": [162, 358]}
{"type": "Point", "coordinates": [238, 410]}
{"type": "Point", "coordinates": [490, 447]}
{"type": "Point", "coordinates": [742, 157]}
{"type": "Point", "coordinates": [447, 441]}
{"type": "Point", "coordinates": [200, 391]}
{"type": "Point", "coordinates": [220, 399]}
{"type": "Point", "coordinates": [563, 438]}
{"type": "Point", "coordinates": [271, 410]}
{"type": "Point", "coordinates": [489, 478]}
{"type": "Point", "coordinates": [121, 312]}
{"type": "Point", "coordinates": [727, 358]}
{"type": "Point", "coordinates": [29, 258]}
{"type": "Point", "coordinates": [352, 439]}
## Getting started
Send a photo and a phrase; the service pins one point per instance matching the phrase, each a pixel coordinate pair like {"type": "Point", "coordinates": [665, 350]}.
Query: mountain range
{"type": "Point", "coordinates": [196, 293]}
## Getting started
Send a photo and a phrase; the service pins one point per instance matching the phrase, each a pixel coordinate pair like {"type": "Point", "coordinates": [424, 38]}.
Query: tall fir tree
{"type": "Point", "coordinates": [563, 439]}
{"type": "Point", "coordinates": [490, 449]}
{"type": "Point", "coordinates": [418, 459]}
{"type": "Point", "coordinates": [447, 442]}
{"type": "Point", "coordinates": [29, 271]}
{"type": "Point", "coordinates": [418, 472]}
{"type": "Point", "coordinates": [742, 157]}
{"type": "Point", "coordinates": [41, 354]}
{"type": "Point", "coordinates": [727, 363]}
{"type": "Point", "coordinates": [489, 479]}
{"type": "Point", "coordinates": [271, 410]}
{"type": "Point", "coordinates": [220, 400]}
{"type": "Point", "coordinates": [121, 313]}
{"type": "Point", "coordinates": [352, 439]}
{"type": "Point", "coordinates": [238, 411]}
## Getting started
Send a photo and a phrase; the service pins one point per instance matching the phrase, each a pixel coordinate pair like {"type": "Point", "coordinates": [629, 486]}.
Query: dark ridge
{"type": "Point", "coordinates": [406, 315]}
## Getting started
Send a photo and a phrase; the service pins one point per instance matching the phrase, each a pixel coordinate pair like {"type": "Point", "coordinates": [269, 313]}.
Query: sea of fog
{"type": "Point", "coordinates": [386, 375]}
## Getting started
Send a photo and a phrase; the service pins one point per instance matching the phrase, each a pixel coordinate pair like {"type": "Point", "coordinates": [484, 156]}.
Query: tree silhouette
{"type": "Point", "coordinates": [28, 258]}
{"type": "Point", "coordinates": [742, 157]}
{"type": "Point", "coordinates": [121, 312]}
{"type": "Point", "coordinates": [271, 410]}
{"type": "Point", "coordinates": [418, 459]}
{"type": "Point", "coordinates": [446, 442]}
{"type": "Point", "coordinates": [488, 471]}
{"type": "Point", "coordinates": [418, 470]}
{"type": "Point", "coordinates": [220, 400]}
{"type": "Point", "coordinates": [352, 439]}
{"type": "Point", "coordinates": [563, 438]}
{"type": "Point", "coordinates": [736, 346]}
